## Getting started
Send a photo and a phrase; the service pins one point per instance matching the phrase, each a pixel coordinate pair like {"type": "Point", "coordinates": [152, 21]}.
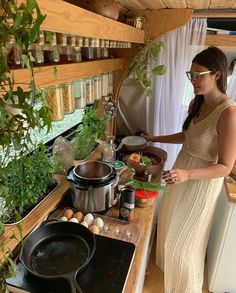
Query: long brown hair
{"type": "Point", "coordinates": [215, 60]}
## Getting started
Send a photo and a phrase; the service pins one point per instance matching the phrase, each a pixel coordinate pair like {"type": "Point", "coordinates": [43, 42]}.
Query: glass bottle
{"type": "Point", "coordinates": [13, 53]}
{"type": "Point", "coordinates": [109, 153]}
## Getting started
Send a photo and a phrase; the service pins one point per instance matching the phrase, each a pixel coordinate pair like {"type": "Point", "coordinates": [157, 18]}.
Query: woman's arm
{"type": "Point", "coordinates": [226, 153]}
{"type": "Point", "coordinates": [177, 138]}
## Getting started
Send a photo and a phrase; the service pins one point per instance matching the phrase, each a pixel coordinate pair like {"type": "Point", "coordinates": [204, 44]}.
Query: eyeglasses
{"type": "Point", "coordinates": [196, 74]}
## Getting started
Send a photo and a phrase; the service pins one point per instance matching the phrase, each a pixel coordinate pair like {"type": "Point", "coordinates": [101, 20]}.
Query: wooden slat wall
{"type": "Point", "coordinates": [199, 4]}
{"type": "Point", "coordinates": [221, 4]}
{"type": "Point", "coordinates": [160, 4]}
{"type": "Point", "coordinates": [174, 3]}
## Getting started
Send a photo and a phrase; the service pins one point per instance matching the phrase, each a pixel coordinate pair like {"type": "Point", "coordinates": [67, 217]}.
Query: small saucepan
{"type": "Point", "coordinates": [133, 143]}
{"type": "Point", "coordinates": [58, 250]}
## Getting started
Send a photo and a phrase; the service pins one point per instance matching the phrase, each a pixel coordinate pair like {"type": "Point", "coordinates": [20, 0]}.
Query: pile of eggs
{"type": "Point", "coordinates": [94, 224]}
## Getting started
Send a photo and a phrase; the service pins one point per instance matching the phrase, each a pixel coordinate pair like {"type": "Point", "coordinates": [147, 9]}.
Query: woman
{"type": "Point", "coordinates": [207, 156]}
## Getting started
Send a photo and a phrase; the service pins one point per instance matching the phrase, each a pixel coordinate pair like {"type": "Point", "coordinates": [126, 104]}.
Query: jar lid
{"type": "Point", "coordinates": [140, 193]}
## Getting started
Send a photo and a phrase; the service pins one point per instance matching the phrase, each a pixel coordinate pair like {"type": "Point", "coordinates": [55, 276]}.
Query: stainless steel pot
{"type": "Point", "coordinates": [93, 186]}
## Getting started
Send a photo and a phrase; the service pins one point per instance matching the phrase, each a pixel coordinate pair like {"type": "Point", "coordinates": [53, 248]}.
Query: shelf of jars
{"type": "Point", "coordinates": [71, 19]}
{"type": "Point", "coordinates": [45, 76]}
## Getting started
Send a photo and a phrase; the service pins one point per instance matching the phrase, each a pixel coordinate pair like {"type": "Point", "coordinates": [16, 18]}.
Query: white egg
{"type": "Point", "coordinates": [85, 224]}
{"type": "Point", "coordinates": [64, 219]}
{"type": "Point", "coordinates": [74, 220]}
{"type": "Point", "coordinates": [89, 219]}
{"type": "Point", "coordinates": [99, 222]}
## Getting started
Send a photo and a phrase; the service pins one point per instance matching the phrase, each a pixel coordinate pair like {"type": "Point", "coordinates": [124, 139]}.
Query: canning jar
{"type": "Point", "coordinates": [53, 100]}
{"type": "Point", "coordinates": [68, 98]}
{"type": "Point", "coordinates": [79, 94]}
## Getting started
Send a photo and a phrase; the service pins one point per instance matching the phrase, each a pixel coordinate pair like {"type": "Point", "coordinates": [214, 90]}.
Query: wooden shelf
{"type": "Point", "coordinates": [67, 18]}
{"type": "Point", "coordinates": [220, 40]}
{"type": "Point", "coordinates": [44, 76]}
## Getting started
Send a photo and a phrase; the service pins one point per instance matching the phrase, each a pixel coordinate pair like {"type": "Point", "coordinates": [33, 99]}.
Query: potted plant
{"type": "Point", "coordinates": [91, 129]}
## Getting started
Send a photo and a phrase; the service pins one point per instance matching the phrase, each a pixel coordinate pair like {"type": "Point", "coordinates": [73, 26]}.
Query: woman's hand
{"type": "Point", "coordinates": [175, 176]}
{"type": "Point", "coordinates": [147, 136]}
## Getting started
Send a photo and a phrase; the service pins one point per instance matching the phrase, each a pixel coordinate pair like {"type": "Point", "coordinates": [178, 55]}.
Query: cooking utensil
{"type": "Point", "coordinates": [93, 188]}
{"type": "Point", "coordinates": [58, 250]}
{"type": "Point", "coordinates": [133, 143]}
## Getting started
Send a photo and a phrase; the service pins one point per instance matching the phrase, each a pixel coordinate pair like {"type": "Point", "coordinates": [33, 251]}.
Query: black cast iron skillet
{"type": "Point", "coordinates": [58, 250]}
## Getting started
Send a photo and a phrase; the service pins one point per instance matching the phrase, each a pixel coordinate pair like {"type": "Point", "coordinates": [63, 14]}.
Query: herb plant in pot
{"type": "Point", "coordinates": [91, 129]}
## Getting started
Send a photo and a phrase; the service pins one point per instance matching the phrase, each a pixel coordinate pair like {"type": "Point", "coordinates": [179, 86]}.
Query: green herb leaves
{"type": "Point", "coordinates": [141, 69]}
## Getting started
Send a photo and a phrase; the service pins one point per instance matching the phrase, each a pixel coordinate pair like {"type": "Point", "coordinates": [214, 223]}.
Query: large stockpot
{"type": "Point", "coordinates": [93, 186]}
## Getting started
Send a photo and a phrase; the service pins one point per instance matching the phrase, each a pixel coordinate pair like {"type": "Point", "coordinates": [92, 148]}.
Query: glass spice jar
{"type": "Point", "coordinates": [79, 94]}
{"type": "Point", "coordinates": [98, 87]}
{"type": "Point", "coordinates": [68, 98]}
{"type": "Point", "coordinates": [90, 97]}
{"type": "Point", "coordinates": [54, 101]}
{"type": "Point", "coordinates": [104, 84]}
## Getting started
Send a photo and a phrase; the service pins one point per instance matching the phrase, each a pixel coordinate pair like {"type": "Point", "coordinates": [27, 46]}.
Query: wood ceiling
{"type": "Point", "coordinates": [127, 5]}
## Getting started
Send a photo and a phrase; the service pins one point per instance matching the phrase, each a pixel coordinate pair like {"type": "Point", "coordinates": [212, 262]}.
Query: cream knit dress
{"type": "Point", "coordinates": [187, 209]}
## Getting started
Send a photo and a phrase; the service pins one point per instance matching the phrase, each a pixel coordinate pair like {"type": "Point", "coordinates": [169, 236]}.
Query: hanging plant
{"type": "Point", "coordinates": [141, 68]}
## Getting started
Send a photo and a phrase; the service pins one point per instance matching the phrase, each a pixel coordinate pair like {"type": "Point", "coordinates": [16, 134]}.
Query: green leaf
{"type": "Point", "coordinates": [159, 70]}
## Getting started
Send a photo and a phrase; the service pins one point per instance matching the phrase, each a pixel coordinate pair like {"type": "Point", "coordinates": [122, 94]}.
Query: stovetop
{"type": "Point", "coordinates": [106, 272]}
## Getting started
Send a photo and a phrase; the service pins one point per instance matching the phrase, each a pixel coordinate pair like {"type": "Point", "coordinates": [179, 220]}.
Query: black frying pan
{"type": "Point", "coordinates": [58, 250]}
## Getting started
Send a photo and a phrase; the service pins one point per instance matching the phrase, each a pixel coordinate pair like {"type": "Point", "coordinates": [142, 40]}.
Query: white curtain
{"type": "Point", "coordinates": [165, 111]}
{"type": "Point", "coordinates": [231, 89]}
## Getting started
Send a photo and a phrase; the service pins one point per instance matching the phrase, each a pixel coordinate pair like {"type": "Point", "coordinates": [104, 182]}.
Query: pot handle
{"type": "Point", "coordinates": [119, 146]}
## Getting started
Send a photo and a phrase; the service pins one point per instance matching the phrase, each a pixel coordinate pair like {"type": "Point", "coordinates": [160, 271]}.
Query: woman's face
{"type": "Point", "coordinates": [203, 83]}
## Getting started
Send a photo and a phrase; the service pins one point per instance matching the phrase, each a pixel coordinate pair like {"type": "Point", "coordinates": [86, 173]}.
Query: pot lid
{"type": "Point", "coordinates": [134, 140]}
{"type": "Point", "coordinates": [93, 171]}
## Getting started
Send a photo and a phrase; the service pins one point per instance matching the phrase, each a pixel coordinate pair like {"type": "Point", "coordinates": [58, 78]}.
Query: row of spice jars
{"type": "Point", "coordinates": [65, 98]}
{"type": "Point", "coordinates": [54, 47]}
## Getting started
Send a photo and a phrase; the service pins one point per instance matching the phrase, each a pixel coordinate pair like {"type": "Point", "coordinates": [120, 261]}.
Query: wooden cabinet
{"type": "Point", "coordinates": [63, 17]}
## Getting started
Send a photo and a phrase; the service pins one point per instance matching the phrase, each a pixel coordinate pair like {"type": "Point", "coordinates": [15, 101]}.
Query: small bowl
{"type": "Point", "coordinates": [155, 168]}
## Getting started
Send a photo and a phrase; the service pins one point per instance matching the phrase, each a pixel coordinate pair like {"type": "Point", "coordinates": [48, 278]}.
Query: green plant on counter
{"type": "Point", "coordinates": [92, 127]}
{"type": "Point", "coordinates": [28, 179]}
{"type": "Point", "coordinates": [141, 68]}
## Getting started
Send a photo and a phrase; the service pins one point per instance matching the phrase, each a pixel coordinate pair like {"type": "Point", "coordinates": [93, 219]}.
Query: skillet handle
{"type": "Point", "coordinates": [74, 286]}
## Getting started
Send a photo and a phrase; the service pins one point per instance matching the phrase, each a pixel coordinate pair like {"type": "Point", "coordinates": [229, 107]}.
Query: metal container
{"type": "Point", "coordinates": [93, 186]}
